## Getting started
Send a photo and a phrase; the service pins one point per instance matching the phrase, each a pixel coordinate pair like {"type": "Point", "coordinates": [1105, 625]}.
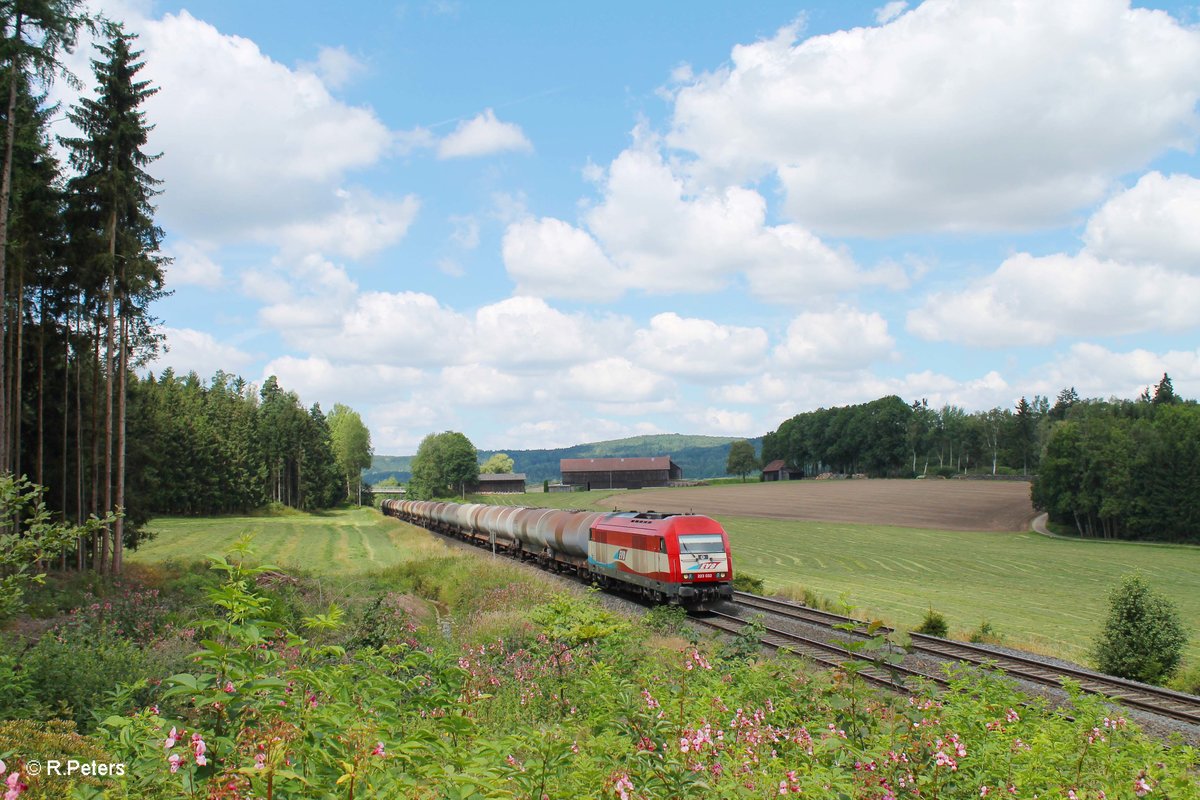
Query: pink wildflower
{"type": "Point", "coordinates": [199, 748]}
{"type": "Point", "coordinates": [229, 687]}
{"type": "Point", "coordinates": [984, 791]}
{"type": "Point", "coordinates": [378, 751]}
{"type": "Point", "coordinates": [1140, 787]}
{"type": "Point", "coordinates": [175, 760]}
{"type": "Point", "coordinates": [3, 767]}
{"type": "Point", "coordinates": [260, 760]}
{"type": "Point", "coordinates": [15, 787]}
{"type": "Point", "coordinates": [1012, 716]}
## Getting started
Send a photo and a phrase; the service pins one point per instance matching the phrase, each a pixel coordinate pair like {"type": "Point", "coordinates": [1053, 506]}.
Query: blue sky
{"type": "Point", "coordinates": [548, 223]}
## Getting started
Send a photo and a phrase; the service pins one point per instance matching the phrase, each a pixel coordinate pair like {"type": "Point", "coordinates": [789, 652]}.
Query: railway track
{"type": "Point", "coordinates": [1151, 699]}
{"type": "Point", "coordinates": [834, 656]}
{"type": "Point", "coordinates": [1154, 699]}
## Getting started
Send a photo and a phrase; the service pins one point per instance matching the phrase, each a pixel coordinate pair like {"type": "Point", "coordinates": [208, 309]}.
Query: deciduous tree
{"type": "Point", "coordinates": [498, 464]}
{"type": "Point", "coordinates": [742, 460]}
{"type": "Point", "coordinates": [445, 464]}
{"type": "Point", "coordinates": [351, 446]}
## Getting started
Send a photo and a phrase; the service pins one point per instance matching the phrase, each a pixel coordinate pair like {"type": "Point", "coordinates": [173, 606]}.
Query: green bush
{"type": "Point", "coordinates": [1187, 679]}
{"type": "Point", "coordinates": [986, 634]}
{"type": "Point", "coordinates": [745, 582]}
{"type": "Point", "coordinates": [666, 620]}
{"type": "Point", "coordinates": [72, 673]}
{"type": "Point", "coordinates": [1143, 638]}
{"type": "Point", "coordinates": [934, 624]}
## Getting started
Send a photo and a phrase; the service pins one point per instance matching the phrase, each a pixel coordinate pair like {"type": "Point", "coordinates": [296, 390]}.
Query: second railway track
{"type": "Point", "coordinates": [1150, 699]}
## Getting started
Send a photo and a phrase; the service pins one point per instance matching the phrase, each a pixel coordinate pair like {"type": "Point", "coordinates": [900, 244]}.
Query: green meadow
{"type": "Point", "coordinates": [338, 542]}
{"type": "Point", "coordinates": [1046, 594]}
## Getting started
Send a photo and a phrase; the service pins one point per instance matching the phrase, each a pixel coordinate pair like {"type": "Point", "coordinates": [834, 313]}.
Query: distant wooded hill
{"type": "Point", "coordinates": [699, 456]}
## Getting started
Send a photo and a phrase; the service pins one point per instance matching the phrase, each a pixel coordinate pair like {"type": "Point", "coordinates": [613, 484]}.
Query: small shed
{"type": "Point", "coordinates": [777, 470]}
{"type": "Point", "coordinates": [500, 483]}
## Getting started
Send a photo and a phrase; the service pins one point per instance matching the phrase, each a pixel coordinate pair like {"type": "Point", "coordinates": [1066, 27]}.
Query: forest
{"type": "Point", "coordinates": [890, 438]}
{"type": "Point", "coordinates": [1125, 469]}
{"type": "Point", "coordinates": [81, 266]}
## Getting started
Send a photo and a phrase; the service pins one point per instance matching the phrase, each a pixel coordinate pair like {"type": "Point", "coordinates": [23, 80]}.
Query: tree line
{"type": "Point", "coordinates": [80, 267]}
{"type": "Point", "coordinates": [226, 446]}
{"type": "Point", "coordinates": [1126, 469]}
{"type": "Point", "coordinates": [891, 438]}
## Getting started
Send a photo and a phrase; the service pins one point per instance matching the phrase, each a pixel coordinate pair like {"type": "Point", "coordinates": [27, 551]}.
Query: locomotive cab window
{"type": "Point", "coordinates": [662, 545]}
{"type": "Point", "coordinates": [701, 544]}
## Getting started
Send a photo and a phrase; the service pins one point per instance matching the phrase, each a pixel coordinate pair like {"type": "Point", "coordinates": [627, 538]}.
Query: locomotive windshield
{"type": "Point", "coordinates": [709, 543]}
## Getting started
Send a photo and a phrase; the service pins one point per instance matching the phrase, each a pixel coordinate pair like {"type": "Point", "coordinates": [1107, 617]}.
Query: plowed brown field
{"type": "Point", "coordinates": [939, 504]}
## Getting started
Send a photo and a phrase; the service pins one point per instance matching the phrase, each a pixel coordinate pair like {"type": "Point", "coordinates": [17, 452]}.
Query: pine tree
{"type": "Point", "coordinates": [35, 34]}
{"type": "Point", "coordinates": [1164, 393]}
{"type": "Point", "coordinates": [112, 192]}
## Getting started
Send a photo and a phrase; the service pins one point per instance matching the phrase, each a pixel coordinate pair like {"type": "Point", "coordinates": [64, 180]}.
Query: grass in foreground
{"type": "Point", "coordinates": [337, 542]}
{"type": "Point", "coordinates": [511, 689]}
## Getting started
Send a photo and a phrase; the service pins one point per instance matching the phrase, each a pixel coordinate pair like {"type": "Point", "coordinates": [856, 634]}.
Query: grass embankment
{"type": "Point", "coordinates": [1049, 595]}
{"type": "Point", "coordinates": [335, 542]}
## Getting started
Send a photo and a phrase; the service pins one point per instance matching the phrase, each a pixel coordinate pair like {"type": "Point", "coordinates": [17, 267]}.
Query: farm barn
{"type": "Point", "coordinates": [620, 473]}
{"type": "Point", "coordinates": [500, 483]}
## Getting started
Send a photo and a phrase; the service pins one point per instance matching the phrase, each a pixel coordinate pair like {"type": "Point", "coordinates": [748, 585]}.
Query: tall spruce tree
{"type": "Point", "coordinates": [112, 191]}
{"type": "Point", "coordinates": [35, 34]}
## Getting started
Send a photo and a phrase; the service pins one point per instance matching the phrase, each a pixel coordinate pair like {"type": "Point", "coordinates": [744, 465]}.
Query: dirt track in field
{"type": "Point", "coordinates": [955, 505]}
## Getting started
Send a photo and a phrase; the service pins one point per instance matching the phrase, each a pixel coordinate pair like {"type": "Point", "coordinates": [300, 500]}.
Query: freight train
{"type": "Point", "coordinates": [665, 558]}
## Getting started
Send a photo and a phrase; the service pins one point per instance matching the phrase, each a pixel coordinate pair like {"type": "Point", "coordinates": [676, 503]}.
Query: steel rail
{"type": "Point", "coordinates": [825, 654]}
{"type": "Point", "coordinates": [1152, 699]}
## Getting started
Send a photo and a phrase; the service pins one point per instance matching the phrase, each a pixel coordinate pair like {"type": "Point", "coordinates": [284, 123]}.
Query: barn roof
{"type": "Point", "coordinates": [774, 465]}
{"type": "Point", "coordinates": [614, 464]}
{"type": "Point", "coordinates": [486, 477]}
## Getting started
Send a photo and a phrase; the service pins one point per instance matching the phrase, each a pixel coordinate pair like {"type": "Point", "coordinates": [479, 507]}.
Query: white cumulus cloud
{"type": "Point", "coordinates": [335, 66]}
{"type": "Point", "coordinates": [953, 116]}
{"type": "Point", "coordinates": [1034, 300]}
{"type": "Point", "coordinates": [616, 380]}
{"type": "Point", "coordinates": [248, 143]}
{"type": "Point", "coordinates": [841, 340]}
{"type": "Point", "coordinates": [189, 350]}
{"type": "Point", "coordinates": [363, 225]}
{"type": "Point", "coordinates": [1156, 222]}
{"type": "Point", "coordinates": [698, 349]}
{"type": "Point", "coordinates": [483, 135]}
{"type": "Point", "coordinates": [889, 12]}
{"type": "Point", "coordinates": [192, 265]}
{"type": "Point", "coordinates": [653, 233]}
{"type": "Point", "coordinates": [550, 258]}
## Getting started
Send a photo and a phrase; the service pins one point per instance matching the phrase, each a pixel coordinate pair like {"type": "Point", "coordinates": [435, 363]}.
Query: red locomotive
{"type": "Point", "coordinates": [677, 558]}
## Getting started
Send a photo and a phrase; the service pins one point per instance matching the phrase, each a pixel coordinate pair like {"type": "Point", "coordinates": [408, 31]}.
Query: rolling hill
{"type": "Point", "coordinates": [699, 456]}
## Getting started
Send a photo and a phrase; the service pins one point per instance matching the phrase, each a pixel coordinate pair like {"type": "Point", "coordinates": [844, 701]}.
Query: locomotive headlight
{"type": "Point", "coordinates": [720, 574]}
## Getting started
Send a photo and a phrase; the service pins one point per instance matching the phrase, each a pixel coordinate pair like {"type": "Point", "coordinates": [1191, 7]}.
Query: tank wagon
{"type": "Point", "coordinates": [667, 558]}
